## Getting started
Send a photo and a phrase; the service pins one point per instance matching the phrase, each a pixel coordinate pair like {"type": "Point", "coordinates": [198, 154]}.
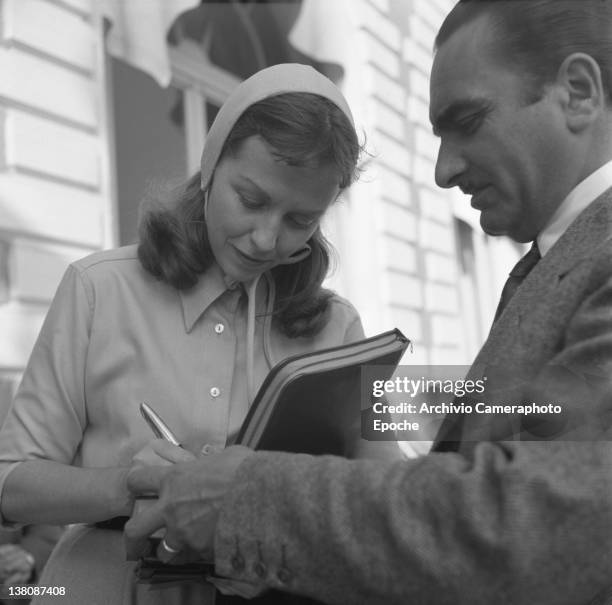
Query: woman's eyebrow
{"type": "Point", "coordinates": [246, 181]}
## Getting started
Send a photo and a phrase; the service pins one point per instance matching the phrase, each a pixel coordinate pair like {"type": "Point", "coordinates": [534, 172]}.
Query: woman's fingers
{"type": "Point", "coordinates": [161, 452]}
{"type": "Point", "coordinates": [146, 480]}
{"type": "Point", "coordinates": [170, 452]}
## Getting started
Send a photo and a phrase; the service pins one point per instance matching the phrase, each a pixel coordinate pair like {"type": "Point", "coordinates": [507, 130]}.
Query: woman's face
{"type": "Point", "coordinates": [261, 211]}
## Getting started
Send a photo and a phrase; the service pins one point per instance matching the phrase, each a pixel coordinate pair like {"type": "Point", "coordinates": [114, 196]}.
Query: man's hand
{"type": "Point", "coordinates": [16, 564]}
{"type": "Point", "coordinates": [238, 588]}
{"type": "Point", "coordinates": [190, 495]}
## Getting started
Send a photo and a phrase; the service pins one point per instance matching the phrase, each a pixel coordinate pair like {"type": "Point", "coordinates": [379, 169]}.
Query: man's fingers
{"type": "Point", "coordinates": [145, 521]}
{"type": "Point", "coordinates": [166, 551]}
{"type": "Point", "coordinates": [246, 590]}
{"type": "Point", "coordinates": [146, 479]}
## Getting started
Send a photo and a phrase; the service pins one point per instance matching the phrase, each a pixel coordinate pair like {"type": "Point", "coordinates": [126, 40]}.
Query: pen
{"type": "Point", "coordinates": [158, 426]}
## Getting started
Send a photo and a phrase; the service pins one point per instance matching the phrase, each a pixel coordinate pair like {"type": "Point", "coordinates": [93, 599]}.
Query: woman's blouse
{"type": "Point", "coordinates": [115, 336]}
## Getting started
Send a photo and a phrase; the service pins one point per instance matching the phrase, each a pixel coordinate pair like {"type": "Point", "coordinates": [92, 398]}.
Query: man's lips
{"type": "Point", "coordinates": [479, 201]}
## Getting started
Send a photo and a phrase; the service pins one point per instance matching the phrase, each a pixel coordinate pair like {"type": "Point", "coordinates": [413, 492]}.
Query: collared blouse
{"type": "Point", "coordinates": [115, 336]}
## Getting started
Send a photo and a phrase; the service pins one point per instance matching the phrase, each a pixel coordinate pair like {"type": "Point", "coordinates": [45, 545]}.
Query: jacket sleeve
{"type": "Point", "coordinates": [519, 523]}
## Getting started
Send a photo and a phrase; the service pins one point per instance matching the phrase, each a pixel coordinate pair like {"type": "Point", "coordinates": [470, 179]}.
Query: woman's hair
{"type": "Point", "coordinates": [302, 129]}
{"type": "Point", "coordinates": [536, 36]}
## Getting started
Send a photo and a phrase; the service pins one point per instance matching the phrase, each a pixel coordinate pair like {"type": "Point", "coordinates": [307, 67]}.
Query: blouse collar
{"type": "Point", "coordinates": [210, 286]}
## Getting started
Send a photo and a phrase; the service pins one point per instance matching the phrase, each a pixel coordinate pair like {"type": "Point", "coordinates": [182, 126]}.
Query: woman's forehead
{"type": "Point", "coordinates": [253, 168]}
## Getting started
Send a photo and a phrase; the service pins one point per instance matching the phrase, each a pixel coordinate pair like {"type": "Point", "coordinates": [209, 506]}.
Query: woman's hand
{"type": "Point", "coordinates": [16, 564]}
{"type": "Point", "coordinates": [160, 452]}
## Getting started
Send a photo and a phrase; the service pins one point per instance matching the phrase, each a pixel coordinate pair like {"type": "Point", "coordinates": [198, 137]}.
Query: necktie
{"type": "Point", "coordinates": [517, 275]}
{"type": "Point", "coordinates": [449, 436]}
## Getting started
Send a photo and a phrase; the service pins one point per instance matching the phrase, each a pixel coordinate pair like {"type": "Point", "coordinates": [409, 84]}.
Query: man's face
{"type": "Point", "coordinates": [510, 156]}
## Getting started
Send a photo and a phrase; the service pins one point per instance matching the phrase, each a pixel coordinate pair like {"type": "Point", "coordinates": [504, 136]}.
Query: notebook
{"type": "Point", "coordinates": [311, 403]}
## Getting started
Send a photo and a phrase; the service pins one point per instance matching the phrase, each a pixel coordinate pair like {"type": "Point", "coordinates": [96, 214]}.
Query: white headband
{"type": "Point", "coordinates": [269, 82]}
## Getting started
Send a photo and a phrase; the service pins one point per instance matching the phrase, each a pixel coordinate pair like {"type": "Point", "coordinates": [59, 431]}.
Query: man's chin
{"type": "Point", "coordinates": [490, 226]}
{"type": "Point", "coordinates": [496, 230]}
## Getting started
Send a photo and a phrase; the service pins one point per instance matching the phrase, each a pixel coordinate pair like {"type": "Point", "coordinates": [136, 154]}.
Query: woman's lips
{"type": "Point", "coordinates": [251, 260]}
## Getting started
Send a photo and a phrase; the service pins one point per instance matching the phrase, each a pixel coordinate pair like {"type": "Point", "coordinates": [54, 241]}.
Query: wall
{"type": "Point", "coordinates": [397, 232]}
{"type": "Point", "coordinates": [54, 185]}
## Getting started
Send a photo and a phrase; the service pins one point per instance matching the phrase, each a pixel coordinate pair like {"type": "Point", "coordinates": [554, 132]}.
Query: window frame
{"type": "Point", "coordinates": [201, 81]}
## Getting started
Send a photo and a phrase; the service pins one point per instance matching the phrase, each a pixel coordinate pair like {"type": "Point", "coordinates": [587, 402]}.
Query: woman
{"type": "Point", "coordinates": [222, 286]}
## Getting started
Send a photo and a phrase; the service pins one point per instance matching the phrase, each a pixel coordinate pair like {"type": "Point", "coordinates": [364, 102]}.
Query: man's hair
{"type": "Point", "coordinates": [302, 129]}
{"type": "Point", "coordinates": [535, 36]}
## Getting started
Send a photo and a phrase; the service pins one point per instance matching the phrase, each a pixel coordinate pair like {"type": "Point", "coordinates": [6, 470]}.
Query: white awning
{"type": "Point", "coordinates": [324, 30]}
{"type": "Point", "coordinates": [328, 30]}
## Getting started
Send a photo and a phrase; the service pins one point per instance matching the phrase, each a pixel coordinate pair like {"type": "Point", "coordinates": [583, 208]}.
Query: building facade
{"type": "Point", "coordinates": [87, 130]}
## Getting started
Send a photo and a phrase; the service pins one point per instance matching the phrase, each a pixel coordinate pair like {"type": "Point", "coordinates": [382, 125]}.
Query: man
{"type": "Point", "coordinates": [516, 510]}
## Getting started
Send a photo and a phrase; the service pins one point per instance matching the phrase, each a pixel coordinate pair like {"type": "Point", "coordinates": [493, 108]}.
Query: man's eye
{"type": "Point", "coordinates": [469, 124]}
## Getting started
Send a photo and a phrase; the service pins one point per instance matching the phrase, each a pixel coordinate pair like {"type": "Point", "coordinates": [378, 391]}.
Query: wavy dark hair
{"type": "Point", "coordinates": [302, 129]}
{"type": "Point", "coordinates": [535, 36]}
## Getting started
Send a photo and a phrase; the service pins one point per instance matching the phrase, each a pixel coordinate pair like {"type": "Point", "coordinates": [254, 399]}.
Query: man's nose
{"type": "Point", "coordinates": [450, 165]}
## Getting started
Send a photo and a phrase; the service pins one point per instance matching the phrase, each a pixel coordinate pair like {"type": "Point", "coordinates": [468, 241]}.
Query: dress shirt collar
{"type": "Point", "coordinates": [579, 198]}
{"type": "Point", "coordinates": [211, 285]}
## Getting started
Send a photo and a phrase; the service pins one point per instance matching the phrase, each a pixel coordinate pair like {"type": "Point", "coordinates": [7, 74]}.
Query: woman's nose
{"type": "Point", "coordinates": [450, 165]}
{"type": "Point", "coordinates": [265, 234]}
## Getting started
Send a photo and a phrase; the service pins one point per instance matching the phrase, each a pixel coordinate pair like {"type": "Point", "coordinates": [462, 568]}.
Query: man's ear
{"type": "Point", "coordinates": [579, 77]}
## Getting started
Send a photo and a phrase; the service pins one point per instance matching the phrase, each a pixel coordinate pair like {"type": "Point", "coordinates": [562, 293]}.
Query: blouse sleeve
{"type": "Point", "coordinates": [47, 418]}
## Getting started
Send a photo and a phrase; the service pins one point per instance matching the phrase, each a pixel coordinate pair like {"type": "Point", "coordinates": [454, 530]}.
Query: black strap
{"type": "Point", "coordinates": [116, 523]}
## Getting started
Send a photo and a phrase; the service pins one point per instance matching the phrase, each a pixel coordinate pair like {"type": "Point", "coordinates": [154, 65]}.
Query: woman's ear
{"type": "Point", "coordinates": [579, 76]}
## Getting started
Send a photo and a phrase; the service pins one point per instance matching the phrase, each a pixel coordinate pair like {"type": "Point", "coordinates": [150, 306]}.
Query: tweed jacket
{"type": "Point", "coordinates": [520, 514]}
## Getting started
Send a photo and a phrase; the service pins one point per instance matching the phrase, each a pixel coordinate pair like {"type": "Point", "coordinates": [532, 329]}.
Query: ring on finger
{"type": "Point", "coordinates": [168, 548]}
